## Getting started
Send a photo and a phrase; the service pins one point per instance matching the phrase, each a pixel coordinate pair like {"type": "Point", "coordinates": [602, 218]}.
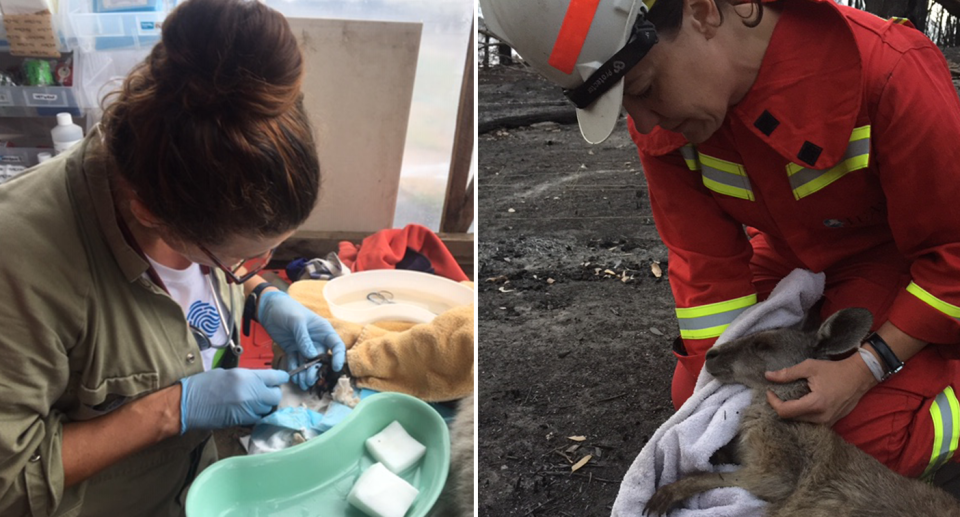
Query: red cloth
{"type": "Point", "coordinates": [384, 249]}
{"type": "Point", "coordinates": [873, 230]}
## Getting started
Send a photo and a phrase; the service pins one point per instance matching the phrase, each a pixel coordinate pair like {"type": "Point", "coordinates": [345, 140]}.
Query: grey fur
{"type": "Point", "coordinates": [456, 500]}
{"type": "Point", "coordinates": [802, 469]}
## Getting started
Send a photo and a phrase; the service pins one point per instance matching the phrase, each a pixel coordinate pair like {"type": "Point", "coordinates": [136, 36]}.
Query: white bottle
{"type": "Point", "coordinates": [65, 134]}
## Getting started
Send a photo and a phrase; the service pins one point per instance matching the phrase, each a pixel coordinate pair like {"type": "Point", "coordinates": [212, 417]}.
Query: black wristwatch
{"type": "Point", "coordinates": [890, 360]}
{"type": "Point", "coordinates": [250, 306]}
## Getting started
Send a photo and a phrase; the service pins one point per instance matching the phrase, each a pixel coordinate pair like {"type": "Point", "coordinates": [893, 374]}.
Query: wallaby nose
{"type": "Point", "coordinates": [712, 353]}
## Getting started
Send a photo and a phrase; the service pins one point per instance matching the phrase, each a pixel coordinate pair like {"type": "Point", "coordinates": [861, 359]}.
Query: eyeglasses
{"type": "Point", "coordinates": [250, 266]}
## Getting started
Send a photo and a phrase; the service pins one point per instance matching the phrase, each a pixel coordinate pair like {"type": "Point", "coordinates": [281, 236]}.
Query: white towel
{"type": "Point", "coordinates": [709, 419]}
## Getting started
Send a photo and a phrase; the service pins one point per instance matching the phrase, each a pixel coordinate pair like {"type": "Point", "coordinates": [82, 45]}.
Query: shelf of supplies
{"type": "Point", "coordinates": [42, 101]}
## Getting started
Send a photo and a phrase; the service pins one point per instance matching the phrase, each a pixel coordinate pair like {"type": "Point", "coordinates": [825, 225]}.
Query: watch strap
{"type": "Point", "coordinates": [250, 306]}
{"type": "Point", "coordinates": [890, 360]}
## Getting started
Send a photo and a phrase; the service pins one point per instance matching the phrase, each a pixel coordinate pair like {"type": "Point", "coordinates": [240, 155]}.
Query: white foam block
{"type": "Point", "coordinates": [396, 449]}
{"type": "Point", "coordinates": [381, 493]}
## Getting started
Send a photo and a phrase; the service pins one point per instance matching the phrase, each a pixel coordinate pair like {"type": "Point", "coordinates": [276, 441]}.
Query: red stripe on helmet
{"type": "Point", "coordinates": [573, 33]}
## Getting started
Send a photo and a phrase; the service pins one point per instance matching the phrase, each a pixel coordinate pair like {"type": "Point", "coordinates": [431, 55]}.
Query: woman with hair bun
{"type": "Point", "coordinates": [129, 260]}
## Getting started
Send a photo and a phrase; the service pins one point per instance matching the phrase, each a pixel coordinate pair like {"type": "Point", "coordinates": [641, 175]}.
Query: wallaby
{"type": "Point", "coordinates": [799, 468]}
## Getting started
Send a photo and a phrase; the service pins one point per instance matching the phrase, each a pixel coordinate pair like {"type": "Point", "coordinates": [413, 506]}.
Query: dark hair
{"type": "Point", "coordinates": [210, 129]}
{"type": "Point", "coordinates": [666, 16]}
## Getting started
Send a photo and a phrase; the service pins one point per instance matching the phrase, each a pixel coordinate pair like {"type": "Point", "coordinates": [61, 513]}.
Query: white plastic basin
{"type": "Point", "coordinates": [413, 296]}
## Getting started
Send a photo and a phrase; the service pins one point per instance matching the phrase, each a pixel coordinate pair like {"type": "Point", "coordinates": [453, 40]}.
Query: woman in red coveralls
{"type": "Point", "coordinates": [783, 135]}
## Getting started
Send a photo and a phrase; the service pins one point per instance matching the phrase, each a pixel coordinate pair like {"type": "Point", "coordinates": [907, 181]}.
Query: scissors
{"type": "Point", "coordinates": [303, 367]}
{"type": "Point", "coordinates": [380, 297]}
{"type": "Point", "coordinates": [327, 380]}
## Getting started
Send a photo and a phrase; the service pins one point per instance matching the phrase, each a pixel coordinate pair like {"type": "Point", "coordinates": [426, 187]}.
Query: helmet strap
{"type": "Point", "coordinates": [643, 37]}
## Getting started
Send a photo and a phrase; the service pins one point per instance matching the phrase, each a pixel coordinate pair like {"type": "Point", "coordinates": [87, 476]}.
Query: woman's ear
{"type": "Point", "coordinates": [703, 16]}
{"type": "Point", "coordinates": [143, 215]}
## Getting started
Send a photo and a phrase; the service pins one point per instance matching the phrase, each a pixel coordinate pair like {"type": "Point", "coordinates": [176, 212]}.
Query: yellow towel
{"type": "Point", "coordinates": [432, 361]}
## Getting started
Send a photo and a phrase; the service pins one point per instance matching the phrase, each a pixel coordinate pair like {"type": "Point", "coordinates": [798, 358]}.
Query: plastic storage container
{"type": "Point", "coordinates": [30, 101]}
{"type": "Point", "coordinates": [99, 25]}
{"type": "Point", "coordinates": [23, 156]}
{"type": "Point", "coordinates": [315, 477]}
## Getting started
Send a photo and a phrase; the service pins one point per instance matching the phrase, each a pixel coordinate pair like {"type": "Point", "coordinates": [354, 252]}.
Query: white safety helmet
{"type": "Point", "coordinates": [585, 46]}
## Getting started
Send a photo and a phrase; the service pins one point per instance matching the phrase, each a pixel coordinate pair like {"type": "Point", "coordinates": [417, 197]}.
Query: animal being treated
{"type": "Point", "coordinates": [799, 468]}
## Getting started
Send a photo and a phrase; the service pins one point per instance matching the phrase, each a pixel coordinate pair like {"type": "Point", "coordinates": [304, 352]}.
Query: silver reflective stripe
{"type": "Point", "coordinates": [945, 412]}
{"type": "Point", "coordinates": [805, 181]}
{"type": "Point", "coordinates": [713, 320]}
{"type": "Point", "coordinates": [725, 177]}
{"type": "Point", "coordinates": [689, 153]}
{"type": "Point", "coordinates": [709, 321]}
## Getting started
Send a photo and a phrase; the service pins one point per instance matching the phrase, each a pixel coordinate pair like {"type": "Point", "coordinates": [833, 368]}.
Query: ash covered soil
{"type": "Point", "coordinates": [575, 326]}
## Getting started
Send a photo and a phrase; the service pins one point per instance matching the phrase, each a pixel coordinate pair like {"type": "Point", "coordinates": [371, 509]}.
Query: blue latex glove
{"type": "Point", "coordinates": [221, 398]}
{"type": "Point", "coordinates": [301, 333]}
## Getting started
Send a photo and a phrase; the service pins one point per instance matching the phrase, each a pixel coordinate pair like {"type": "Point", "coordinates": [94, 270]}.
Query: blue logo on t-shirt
{"type": "Point", "coordinates": [204, 316]}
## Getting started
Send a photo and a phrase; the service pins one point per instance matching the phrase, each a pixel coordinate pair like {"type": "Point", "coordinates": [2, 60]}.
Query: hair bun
{"type": "Point", "coordinates": [229, 57]}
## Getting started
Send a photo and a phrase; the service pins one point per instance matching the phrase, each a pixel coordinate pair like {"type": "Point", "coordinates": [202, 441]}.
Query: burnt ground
{"type": "Point", "coordinates": [575, 328]}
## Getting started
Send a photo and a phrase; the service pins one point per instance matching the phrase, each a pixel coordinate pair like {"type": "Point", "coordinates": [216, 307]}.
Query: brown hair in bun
{"type": "Point", "coordinates": [210, 129]}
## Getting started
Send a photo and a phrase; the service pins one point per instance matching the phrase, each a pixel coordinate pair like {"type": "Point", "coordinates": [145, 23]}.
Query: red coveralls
{"type": "Point", "coordinates": [843, 158]}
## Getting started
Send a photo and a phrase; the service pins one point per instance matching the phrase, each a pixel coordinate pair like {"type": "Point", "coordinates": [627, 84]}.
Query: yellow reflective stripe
{"type": "Point", "coordinates": [901, 21]}
{"type": "Point", "coordinates": [945, 414]}
{"type": "Point", "coordinates": [835, 173]}
{"type": "Point", "coordinates": [707, 333]}
{"type": "Point", "coordinates": [725, 177]}
{"type": "Point", "coordinates": [860, 133]}
{"type": "Point", "coordinates": [727, 189]}
{"type": "Point", "coordinates": [950, 310]}
{"type": "Point", "coordinates": [689, 153]}
{"type": "Point", "coordinates": [723, 165]}
{"type": "Point", "coordinates": [709, 321]}
{"type": "Point", "coordinates": [806, 181]}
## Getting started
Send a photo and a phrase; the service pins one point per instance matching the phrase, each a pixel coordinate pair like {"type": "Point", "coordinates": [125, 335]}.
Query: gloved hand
{"type": "Point", "coordinates": [301, 333]}
{"type": "Point", "coordinates": [221, 398]}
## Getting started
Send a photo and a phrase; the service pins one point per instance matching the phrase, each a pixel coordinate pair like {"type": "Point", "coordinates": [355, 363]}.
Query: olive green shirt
{"type": "Point", "coordinates": [82, 331]}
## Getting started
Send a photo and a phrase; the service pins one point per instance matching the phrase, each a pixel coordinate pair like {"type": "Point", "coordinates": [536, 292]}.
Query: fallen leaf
{"type": "Point", "coordinates": [577, 438]}
{"type": "Point", "coordinates": [497, 278]}
{"type": "Point", "coordinates": [503, 289]}
{"type": "Point", "coordinates": [573, 447]}
{"type": "Point", "coordinates": [550, 280]}
{"type": "Point", "coordinates": [583, 461]}
{"type": "Point", "coordinates": [511, 210]}
{"type": "Point", "coordinates": [655, 268]}
{"type": "Point", "coordinates": [609, 272]}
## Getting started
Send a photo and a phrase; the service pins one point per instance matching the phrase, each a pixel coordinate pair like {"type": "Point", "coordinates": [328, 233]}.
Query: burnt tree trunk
{"type": "Point", "coordinates": [505, 54]}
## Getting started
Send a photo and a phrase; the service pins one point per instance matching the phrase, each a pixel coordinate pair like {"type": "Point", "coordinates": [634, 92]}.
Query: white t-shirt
{"type": "Point", "coordinates": [192, 290]}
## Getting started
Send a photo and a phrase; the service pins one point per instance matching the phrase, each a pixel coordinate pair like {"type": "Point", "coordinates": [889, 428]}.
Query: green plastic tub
{"type": "Point", "coordinates": [314, 478]}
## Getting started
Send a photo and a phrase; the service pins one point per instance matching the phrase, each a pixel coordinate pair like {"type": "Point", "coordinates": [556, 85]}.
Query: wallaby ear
{"type": "Point", "coordinates": [842, 332]}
